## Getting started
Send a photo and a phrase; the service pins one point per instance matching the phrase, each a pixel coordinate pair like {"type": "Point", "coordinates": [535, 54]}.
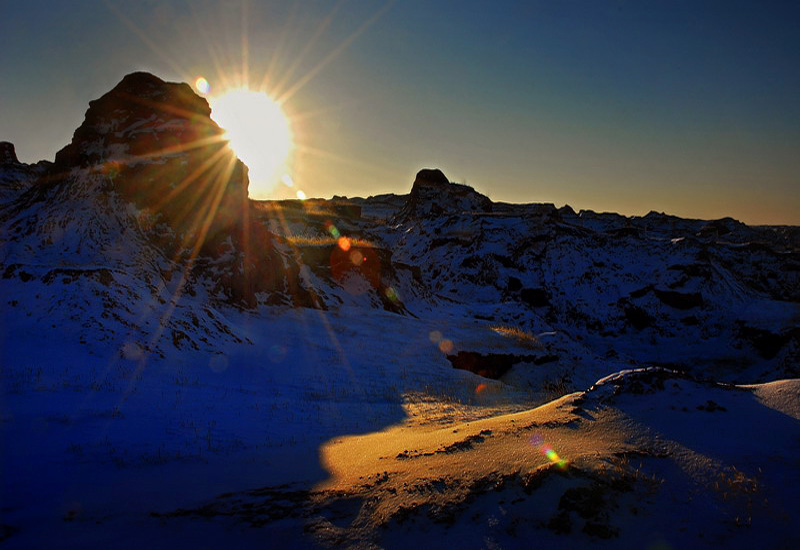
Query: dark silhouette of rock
{"type": "Point", "coordinates": [7, 153]}
{"type": "Point", "coordinates": [432, 176]}
{"type": "Point", "coordinates": [16, 176]}
{"type": "Point", "coordinates": [433, 195]}
{"type": "Point", "coordinates": [155, 143]}
{"type": "Point", "coordinates": [134, 116]}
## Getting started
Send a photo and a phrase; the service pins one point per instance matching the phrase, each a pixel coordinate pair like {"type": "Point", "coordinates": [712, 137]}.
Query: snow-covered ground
{"type": "Point", "coordinates": [180, 367]}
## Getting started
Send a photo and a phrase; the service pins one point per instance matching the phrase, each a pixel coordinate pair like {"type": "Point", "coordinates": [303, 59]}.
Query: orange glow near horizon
{"type": "Point", "coordinates": [259, 133]}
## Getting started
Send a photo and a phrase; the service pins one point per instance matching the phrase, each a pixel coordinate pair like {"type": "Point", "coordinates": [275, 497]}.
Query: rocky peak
{"type": "Point", "coordinates": [154, 143]}
{"type": "Point", "coordinates": [431, 176]}
{"type": "Point", "coordinates": [433, 195]}
{"type": "Point", "coordinates": [7, 153]}
{"type": "Point", "coordinates": [139, 116]}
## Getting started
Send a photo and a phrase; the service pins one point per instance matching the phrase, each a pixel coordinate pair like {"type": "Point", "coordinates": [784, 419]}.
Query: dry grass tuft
{"type": "Point", "coordinates": [324, 240]}
{"type": "Point", "coordinates": [523, 337]}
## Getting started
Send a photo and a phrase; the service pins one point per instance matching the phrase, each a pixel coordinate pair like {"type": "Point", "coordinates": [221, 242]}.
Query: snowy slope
{"type": "Point", "coordinates": [180, 366]}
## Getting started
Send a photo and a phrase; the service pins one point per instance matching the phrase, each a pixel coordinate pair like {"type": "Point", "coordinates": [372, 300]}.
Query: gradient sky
{"type": "Point", "coordinates": [692, 108]}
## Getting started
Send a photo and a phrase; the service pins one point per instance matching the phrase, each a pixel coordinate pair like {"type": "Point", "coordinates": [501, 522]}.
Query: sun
{"type": "Point", "coordinates": [259, 133]}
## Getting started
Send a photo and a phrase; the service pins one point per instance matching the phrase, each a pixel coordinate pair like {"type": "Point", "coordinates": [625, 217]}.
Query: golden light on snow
{"type": "Point", "coordinates": [548, 451]}
{"type": "Point", "coordinates": [259, 133]}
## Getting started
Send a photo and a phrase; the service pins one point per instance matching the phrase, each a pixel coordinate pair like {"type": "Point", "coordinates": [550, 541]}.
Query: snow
{"type": "Point", "coordinates": [142, 406]}
{"type": "Point", "coordinates": [98, 442]}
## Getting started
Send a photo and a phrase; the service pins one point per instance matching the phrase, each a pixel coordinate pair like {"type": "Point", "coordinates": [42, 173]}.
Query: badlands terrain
{"type": "Point", "coordinates": [181, 366]}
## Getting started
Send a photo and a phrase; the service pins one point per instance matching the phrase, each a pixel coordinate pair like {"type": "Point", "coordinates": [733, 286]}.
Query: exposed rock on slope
{"type": "Point", "coordinates": [433, 195]}
{"type": "Point", "coordinates": [155, 144]}
{"type": "Point", "coordinates": [149, 192]}
{"type": "Point", "coordinates": [139, 243]}
{"type": "Point", "coordinates": [16, 176]}
{"type": "Point", "coordinates": [8, 155]}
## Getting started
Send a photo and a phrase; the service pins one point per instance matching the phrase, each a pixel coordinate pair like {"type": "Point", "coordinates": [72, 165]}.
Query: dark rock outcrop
{"type": "Point", "coordinates": [152, 144]}
{"type": "Point", "coordinates": [16, 176]}
{"type": "Point", "coordinates": [156, 144]}
{"type": "Point", "coordinates": [433, 195]}
{"type": "Point", "coordinates": [8, 154]}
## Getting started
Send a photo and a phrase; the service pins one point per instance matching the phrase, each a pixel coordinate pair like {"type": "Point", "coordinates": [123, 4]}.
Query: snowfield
{"type": "Point", "coordinates": [183, 367]}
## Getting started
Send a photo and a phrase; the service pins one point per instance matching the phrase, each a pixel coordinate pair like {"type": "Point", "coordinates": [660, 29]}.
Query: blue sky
{"type": "Point", "coordinates": [685, 107]}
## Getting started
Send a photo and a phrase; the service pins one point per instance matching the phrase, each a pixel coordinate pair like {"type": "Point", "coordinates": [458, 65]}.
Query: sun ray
{"type": "Point", "coordinates": [194, 175]}
{"type": "Point", "coordinates": [207, 215]}
{"type": "Point", "coordinates": [346, 161]}
{"type": "Point", "coordinates": [179, 148]}
{"type": "Point", "coordinates": [333, 54]}
{"type": "Point", "coordinates": [302, 116]}
{"type": "Point", "coordinates": [221, 73]}
{"type": "Point", "coordinates": [310, 43]}
{"type": "Point", "coordinates": [174, 65]}
{"type": "Point", "coordinates": [245, 46]}
{"type": "Point", "coordinates": [276, 56]}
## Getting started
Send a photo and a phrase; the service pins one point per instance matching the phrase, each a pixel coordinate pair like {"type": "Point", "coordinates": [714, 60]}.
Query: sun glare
{"type": "Point", "coordinates": [258, 132]}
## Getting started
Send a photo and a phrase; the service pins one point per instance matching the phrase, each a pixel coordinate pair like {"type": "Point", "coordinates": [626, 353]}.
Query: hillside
{"type": "Point", "coordinates": [182, 366]}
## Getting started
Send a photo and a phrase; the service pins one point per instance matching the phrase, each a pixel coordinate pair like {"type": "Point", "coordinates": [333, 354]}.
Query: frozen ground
{"type": "Point", "coordinates": [181, 367]}
{"type": "Point", "coordinates": [340, 428]}
{"type": "Point", "coordinates": [93, 440]}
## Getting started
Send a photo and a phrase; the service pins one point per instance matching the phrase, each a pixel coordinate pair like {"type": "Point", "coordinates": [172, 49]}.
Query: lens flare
{"type": "Point", "coordinates": [357, 257]}
{"type": "Point", "coordinates": [332, 230]}
{"type": "Point", "coordinates": [391, 293]}
{"type": "Point", "coordinates": [548, 451]}
{"type": "Point", "coordinates": [344, 243]}
{"type": "Point", "coordinates": [202, 85]}
{"type": "Point", "coordinates": [300, 195]}
{"type": "Point", "coordinates": [446, 346]}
